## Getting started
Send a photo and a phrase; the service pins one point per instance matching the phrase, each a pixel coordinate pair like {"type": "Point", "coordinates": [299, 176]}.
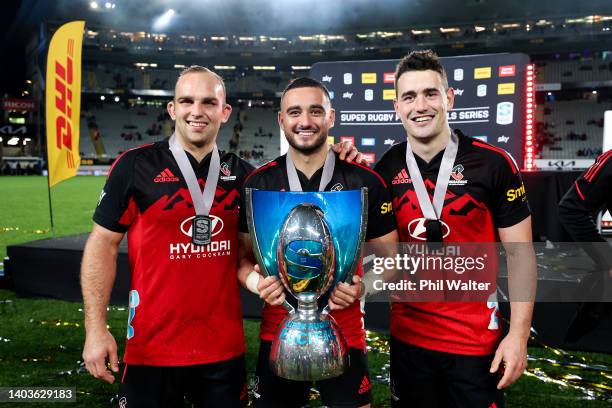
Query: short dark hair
{"type": "Point", "coordinates": [200, 69]}
{"type": "Point", "coordinates": [306, 82]}
{"type": "Point", "coordinates": [423, 60]}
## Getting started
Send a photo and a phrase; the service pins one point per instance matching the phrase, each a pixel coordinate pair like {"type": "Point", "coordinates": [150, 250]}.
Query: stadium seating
{"type": "Point", "coordinates": [587, 70]}
{"type": "Point", "coordinates": [572, 128]}
{"type": "Point", "coordinates": [122, 127]}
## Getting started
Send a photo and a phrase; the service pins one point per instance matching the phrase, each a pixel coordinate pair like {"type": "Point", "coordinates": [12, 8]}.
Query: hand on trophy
{"type": "Point", "coordinates": [271, 289]}
{"type": "Point", "coordinates": [344, 294]}
{"type": "Point", "coordinates": [348, 152]}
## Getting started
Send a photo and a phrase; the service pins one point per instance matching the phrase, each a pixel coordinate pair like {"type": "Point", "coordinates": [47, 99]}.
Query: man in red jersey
{"type": "Point", "coordinates": [185, 335]}
{"type": "Point", "coordinates": [449, 354]}
{"type": "Point", "coordinates": [589, 194]}
{"type": "Point", "coordinates": [306, 116]}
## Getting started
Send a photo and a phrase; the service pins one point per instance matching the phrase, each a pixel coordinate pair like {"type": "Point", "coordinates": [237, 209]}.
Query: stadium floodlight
{"type": "Point", "coordinates": [93, 5]}
{"type": "Point", "coordinates": [108, 5]}
{"type": "Point", "coordinates": [102, 97]}
{"type": "Point", "coordinates": [163, 21]}
{"type": "Point", "coordinates": [116, 99]}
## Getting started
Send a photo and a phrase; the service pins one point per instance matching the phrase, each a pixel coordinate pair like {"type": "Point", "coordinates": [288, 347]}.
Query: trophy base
{"type": "Point", "coordinates": [308, 350]}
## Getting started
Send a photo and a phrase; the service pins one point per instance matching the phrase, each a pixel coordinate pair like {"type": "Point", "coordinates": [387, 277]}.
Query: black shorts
{"type": "Point", "coordinates": [221, 384]}
{"type": "Point", "coordinates": [428, 378]}
{"type": "Point", "coordinates": [351, 389]}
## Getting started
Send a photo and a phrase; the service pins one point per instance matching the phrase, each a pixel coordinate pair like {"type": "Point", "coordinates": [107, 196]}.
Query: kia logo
{"type": "Point", "coordinates": [417, 230]}
{"type": "Point", "coordinates": [217, 225]}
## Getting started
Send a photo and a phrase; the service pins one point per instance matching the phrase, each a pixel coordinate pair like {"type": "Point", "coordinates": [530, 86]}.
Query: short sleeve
{"type": "Point", "coordinates": [115, 209]}
{"type": "Point", "coordinates": [381, 220]}
{"type": "Point", "coordinates": [509, 198]}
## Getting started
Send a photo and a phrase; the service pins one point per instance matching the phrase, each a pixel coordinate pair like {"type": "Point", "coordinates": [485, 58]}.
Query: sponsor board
{"type": "Point", "coordinates": [507, 70]}
{"type": "Point", "coordinates": [389, 77]}
{"type": "Point", "coordinates": [482, 73]}
{"type": "Point", "coordinates": [505, 88]}
{"type": "Point", "coordinates": [368, 78]}
{"type": "Point", "coordinates": [368, 141]}
{"type": "Point", "coordinates": [505, 113]}
{"type": "Point", "coordinates": [458, 74]}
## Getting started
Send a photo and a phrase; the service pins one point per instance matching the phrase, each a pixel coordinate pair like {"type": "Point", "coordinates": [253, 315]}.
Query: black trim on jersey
{"type": "Point", "coordinates": [347, 176]}
{"type": "Point", "coordinates": [131, 184]}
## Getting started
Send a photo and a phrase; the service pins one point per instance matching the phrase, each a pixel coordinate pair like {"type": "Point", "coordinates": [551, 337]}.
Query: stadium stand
{"type": "Point", "coordinates": [570, 129]}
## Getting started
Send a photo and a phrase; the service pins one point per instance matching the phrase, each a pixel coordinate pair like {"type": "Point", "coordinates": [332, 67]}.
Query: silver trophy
{"type": "Point", "coordinates": [314, 246]}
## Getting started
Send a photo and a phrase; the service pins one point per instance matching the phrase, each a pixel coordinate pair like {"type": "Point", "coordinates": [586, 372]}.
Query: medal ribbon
{"type": "Point", "coordinates": [202, 201]}
{"type": "Point", "coordinates": [433, 212]}
{"type": "Point", "coordinates": [328, 172]}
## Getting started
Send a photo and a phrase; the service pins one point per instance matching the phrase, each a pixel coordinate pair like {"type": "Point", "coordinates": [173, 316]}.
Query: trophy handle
{"type": "Point", "coordinates": [362, 232]}
{"type": "Point", "coordinates": [254, 242]}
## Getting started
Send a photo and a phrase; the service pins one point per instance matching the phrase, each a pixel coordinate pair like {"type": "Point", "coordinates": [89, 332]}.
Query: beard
{"type": "Point", "coordinates": [307, 150]}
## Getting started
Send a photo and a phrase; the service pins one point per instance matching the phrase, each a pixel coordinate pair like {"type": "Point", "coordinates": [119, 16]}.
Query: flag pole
{"type": "Point", "coordinates": [41, 91]}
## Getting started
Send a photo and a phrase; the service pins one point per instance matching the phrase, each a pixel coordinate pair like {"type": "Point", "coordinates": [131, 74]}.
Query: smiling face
{"type": "Point", "coordinates": [422, 104]}
{"type": "Point", "coordinates": [198, 109]}
{"type": "Point", "coordinates": [306, 116]}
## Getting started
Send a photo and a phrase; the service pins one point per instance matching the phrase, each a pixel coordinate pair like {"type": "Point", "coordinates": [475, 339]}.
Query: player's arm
{"type": "Point", "coordinates": [521, 262]}
{"type": "Point", "coordinates": [344, 294]}
{"type": "Point", "coordinates": [270, 288]}
{"type": "Point", "coordinates": [98, 270]}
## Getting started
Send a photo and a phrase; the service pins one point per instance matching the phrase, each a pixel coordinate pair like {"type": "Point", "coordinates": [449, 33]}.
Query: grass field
{"type": "Point", "coordinates": [24, 208]}
{"type": "Point", "coordinates": [41, 339]}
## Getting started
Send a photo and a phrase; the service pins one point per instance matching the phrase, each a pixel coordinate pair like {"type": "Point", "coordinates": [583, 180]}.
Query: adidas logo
{"type": "Point", "coordinates": [401, 178]}
{"type": "Point", "coordinates": [165, 176]}
{"type": "Point", "coordinates": [365, 385]}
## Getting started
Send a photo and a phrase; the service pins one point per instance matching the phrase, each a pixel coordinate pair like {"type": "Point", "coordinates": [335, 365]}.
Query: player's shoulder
{"type": "Point", "coordinates": [365, 174]}
{"type": "Point", "coordinates": [496, 157]}
{"type": "Point", "coordinates": [395, 153]}
{"type": "Point", "coordinates": [232, 163]}
{"type": "Point", "coordinates": [127, 159]}
{"type": "Point", "coordinates": [601, 166]}
{"type": "Point", "coordinates": [268, 171]}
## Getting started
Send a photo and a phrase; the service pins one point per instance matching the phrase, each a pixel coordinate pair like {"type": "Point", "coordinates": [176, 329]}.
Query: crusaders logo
{"type": "Point", "coordinates": [457, 178]}
{"type": "Point", "coordinates": [456, 173]}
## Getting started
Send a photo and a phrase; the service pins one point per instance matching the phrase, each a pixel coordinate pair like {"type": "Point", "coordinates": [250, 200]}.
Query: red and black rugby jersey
{"type": "Point", "coordinates": [346, 176]}
{"type": "Point", "coordinates": [590, 193]}
{"type": "Point", "coordinates": [485, 192]}
{"type": "Point", "coordinates": [185, 302]}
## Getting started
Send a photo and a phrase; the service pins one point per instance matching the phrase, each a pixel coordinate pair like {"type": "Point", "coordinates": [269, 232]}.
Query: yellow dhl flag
{"type": "Point", "coordinates": [63, 99]}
